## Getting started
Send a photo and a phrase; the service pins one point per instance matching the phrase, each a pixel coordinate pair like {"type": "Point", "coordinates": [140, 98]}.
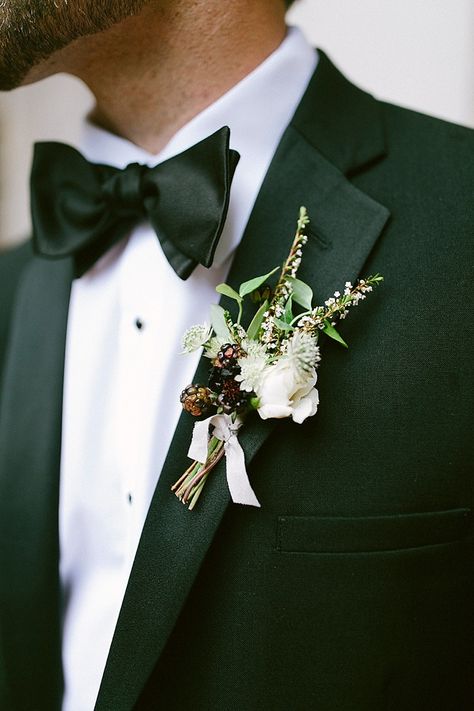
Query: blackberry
{"type": "Point", "coordinates": [232, 398]}
{"type": "Point", "coordinates": [196, 399]}
{"type": "Point", "coordinates": [218, 375]}
{"type": "Point", "coordinates": [228, 355]}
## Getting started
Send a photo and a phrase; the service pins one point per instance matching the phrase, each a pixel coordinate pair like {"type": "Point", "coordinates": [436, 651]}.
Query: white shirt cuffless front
{"type": "Point", "coordinates": [123, 371]}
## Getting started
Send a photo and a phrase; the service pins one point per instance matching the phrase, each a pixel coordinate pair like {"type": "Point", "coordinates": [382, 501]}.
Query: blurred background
{"type": "Point", "coordinates": [417, 53]}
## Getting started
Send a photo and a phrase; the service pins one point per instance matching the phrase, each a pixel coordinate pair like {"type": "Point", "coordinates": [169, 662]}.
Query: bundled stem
{"type": "Point", "coordinates": [188, 488]}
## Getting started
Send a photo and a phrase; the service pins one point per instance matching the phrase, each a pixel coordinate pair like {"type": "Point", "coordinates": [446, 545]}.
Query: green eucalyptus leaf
{"type": "Point", "coordinates": [330, 331]}
{"type": "Point", "coordinates": [288, 317]}
{"type": "Point", "coordinates": [282, 325]}
{"type": "Point", "coordinates": [248, 286]}
{"type": "Point", "coordinates": [227, 290]}
{"type": "Point", "coordinates": [302, 293]}
{"type": "Point", "coordinates": [219, 324]}
{"type": "Point", "coordinates": [254, 328]}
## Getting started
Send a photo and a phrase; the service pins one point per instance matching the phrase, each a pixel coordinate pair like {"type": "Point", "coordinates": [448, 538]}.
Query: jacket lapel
{"type": "Point", "coordinates": [323, 142]}
{"type": "Point", "coordinates": [30, 436]}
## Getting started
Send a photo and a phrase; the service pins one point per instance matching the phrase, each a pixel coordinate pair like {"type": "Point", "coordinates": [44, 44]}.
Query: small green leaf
{"type": "Point", "coordinates": [219, 323]}
{"type": "Point", "coordinates": [228, 291]}
{"type": "Point", "coordinates": [254, 328]}
{"type": "Point", "coordinates": [248, 286]}
{"type": "Point", "coordinates": [282, 325]}
{"type": "Point", "coordinates": [288, 317]}
{"type": "Point", "coordinates": [302, 293]}
{"type": "Point", "coordinates": [330, 331]}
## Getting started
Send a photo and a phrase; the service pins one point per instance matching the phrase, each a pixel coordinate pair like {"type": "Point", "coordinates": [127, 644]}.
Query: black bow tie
{"type": "Point", "coordinates": [82, 209]}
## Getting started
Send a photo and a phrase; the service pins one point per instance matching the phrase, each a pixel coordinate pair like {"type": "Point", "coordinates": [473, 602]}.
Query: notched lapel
{"type": "Point", "coordinates": [345, 223]}
{"type": "Point", "coordinates": [30, 437]}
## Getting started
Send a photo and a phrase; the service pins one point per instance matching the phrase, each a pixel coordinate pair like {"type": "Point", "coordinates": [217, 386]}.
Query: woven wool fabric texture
{"type": "Point", "coordinates": [235, 608]}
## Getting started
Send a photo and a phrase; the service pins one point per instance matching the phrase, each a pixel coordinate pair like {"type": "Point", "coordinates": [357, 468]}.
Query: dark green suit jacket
{"type": "Point", "coordinates": [352, 588]}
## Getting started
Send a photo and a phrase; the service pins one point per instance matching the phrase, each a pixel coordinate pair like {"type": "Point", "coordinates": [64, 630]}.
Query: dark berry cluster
{"type": "Point", "coordinates": [196, 399]}
{"type": "Point", "coordinates": [224, 367]}
{"type": "Point", "coordinates": [223, 390]}
{"type": "Point", "coordinates": [228, 355]}
{"type": "Point", "coordinates": [222, 379]}
{"type": "Point", "coordinates": [232, 398]}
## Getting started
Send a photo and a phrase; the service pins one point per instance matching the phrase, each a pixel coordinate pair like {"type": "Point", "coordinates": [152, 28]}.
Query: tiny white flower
{"type": "Point", "coordinates": [252, 368]}
{"type": "Point", "coordinates": [213, 347]}
{"type": "Point", "coordinates": [254, 348]}
{"type": "Point", "coordinates": [303, 352]}
{"type": "Point", "coordinates": [195, 337]}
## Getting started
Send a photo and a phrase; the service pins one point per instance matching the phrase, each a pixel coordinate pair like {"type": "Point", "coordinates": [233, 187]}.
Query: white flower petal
{"type": "Point", "coordinates": [306, 407]}
{"type": "Point", "coordinates": [283, 394]}
{"type": "Point", "coordinates": [272, 411]}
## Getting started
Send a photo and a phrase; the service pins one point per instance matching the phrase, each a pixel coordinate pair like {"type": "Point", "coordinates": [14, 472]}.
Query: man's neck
{"type": "Point", "coordinates": [154, 72]}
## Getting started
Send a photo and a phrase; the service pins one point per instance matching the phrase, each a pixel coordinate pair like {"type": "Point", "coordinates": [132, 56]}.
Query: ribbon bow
{"type": "Point", "coordinates": [226, 431]}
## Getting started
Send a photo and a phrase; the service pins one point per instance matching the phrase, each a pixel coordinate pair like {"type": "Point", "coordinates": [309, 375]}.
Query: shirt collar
{"type": "Point", "coordinates": [257, 111]}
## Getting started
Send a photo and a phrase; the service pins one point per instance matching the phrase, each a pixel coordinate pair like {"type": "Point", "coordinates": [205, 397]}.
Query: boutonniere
{"type": "Point", "coordinates": [269, 366]}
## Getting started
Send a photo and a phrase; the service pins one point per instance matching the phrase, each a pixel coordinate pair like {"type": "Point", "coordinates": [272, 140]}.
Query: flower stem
{"type": "Point", "coordinates": [190, 484]}
{"type": "Point", "coordinates": [184, 476]}
{"type": "Point", "coordinates": [283, 290]}
{"type": "Point", "coordinates": [239, 317]}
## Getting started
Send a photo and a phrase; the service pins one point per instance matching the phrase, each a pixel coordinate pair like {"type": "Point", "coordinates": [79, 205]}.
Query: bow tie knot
{"type": "Point", "coordinates": [83, 209]}
{"type": "Point", "coordinates": [126, 189]}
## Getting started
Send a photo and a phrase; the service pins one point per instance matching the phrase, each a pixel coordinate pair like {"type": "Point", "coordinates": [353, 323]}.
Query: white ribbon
{"type": "Point", "coordinates": [226, 431]}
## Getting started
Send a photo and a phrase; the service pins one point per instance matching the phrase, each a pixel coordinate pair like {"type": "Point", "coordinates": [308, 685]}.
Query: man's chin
{"type": "Point", "coordinates": [10, 80]}
{"type": "Point", "coordinates": [38, 73]}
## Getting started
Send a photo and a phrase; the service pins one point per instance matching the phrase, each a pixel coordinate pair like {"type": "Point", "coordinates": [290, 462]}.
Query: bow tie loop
{"type": "Point", "coordinates": [82, 209]}
{"type": "Point", "coordinates": [126, 190]}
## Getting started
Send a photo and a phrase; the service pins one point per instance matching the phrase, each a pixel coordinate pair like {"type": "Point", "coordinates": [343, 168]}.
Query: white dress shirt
{"type": "Point", "coordinates": [124, 373]}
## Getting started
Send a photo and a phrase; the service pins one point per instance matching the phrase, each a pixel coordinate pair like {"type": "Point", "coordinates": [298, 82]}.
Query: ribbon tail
{"type": "Point", "coordinates": [237, 478]}
{"type": "Point", "coordinates": [199, 444]}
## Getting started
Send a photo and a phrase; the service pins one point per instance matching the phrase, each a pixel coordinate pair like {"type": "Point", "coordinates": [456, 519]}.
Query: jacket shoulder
{"type": "Point", "coordinates": [432, 143]}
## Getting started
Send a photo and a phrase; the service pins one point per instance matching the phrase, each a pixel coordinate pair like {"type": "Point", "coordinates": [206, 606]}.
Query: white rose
{"type": "Point", "coordinates": [283, 394]}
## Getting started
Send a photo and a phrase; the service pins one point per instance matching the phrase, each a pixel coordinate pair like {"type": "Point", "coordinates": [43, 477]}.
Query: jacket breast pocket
{"type": "Point", "coordinates": [371, 534]}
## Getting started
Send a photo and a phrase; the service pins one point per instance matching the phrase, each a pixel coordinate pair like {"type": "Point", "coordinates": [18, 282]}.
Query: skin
{"type": "Point", "coordinates": [151, 64]}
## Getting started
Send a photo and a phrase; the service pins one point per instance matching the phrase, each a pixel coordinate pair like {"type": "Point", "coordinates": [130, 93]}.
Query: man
{"type": "Point", "coordinates": [351, 587]}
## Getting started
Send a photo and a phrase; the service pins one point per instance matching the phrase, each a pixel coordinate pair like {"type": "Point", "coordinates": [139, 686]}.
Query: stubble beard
{"type": "Point", "coordinates": [31, 31]}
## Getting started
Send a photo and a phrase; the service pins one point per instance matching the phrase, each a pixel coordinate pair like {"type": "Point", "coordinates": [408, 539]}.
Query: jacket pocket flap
{"type": "Point", "coordinates": [315, 534]}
